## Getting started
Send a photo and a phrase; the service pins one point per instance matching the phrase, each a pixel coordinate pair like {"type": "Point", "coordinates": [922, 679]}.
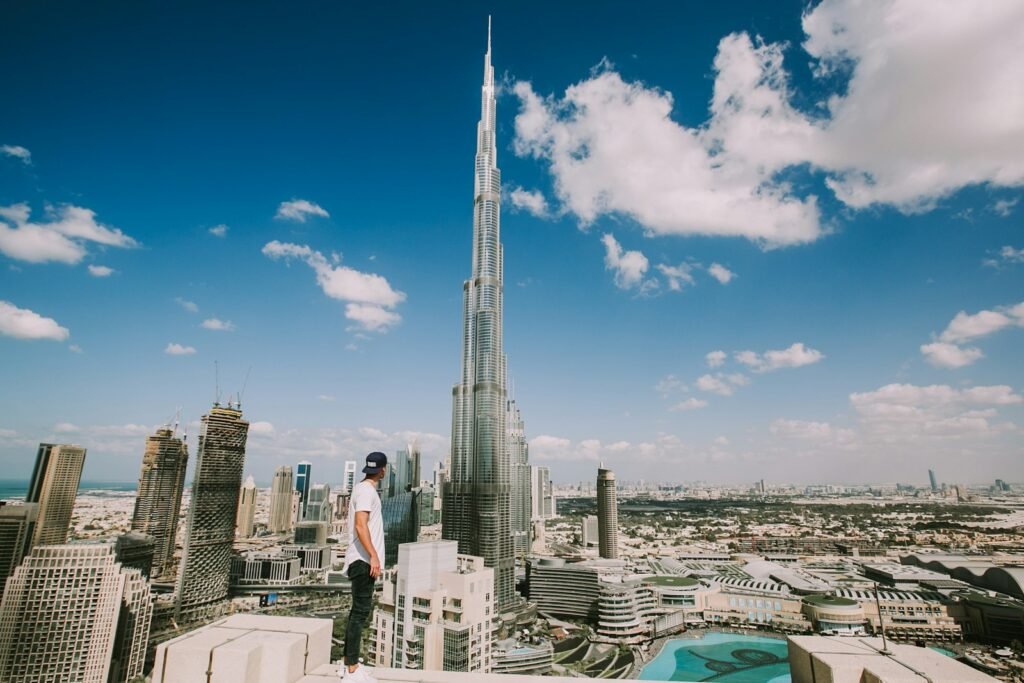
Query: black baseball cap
{"type": "Point", "coordinates": [375, 462]}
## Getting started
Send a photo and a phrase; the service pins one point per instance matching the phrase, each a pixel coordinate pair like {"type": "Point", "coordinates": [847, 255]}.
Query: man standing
{"type": "Point", "coordinates": [363, 561]}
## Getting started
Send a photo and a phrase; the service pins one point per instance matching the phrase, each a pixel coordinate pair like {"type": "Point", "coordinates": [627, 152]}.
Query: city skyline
{"type": "Point", "coordinates": [834, 306]}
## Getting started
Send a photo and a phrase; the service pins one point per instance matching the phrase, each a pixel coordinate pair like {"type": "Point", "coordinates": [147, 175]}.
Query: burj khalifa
{"type": "Point", "coordinates": [477, 498]}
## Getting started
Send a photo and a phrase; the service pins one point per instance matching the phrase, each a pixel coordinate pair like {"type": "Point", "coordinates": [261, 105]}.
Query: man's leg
{"type": "Point", "coordinates": [362, 601]}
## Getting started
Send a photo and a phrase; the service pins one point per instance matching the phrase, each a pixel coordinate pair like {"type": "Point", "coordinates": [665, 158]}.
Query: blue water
{"type": "Point", "coordinates": [942, 650]}
{"type": "Point", "coordinates": [14, 489]}
{"type": "Point", "coordinates": [721, 657]}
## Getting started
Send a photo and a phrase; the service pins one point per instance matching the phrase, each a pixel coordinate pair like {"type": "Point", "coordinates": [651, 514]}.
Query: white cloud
{"type": "Point", "coordinates": [174, 349]}
{"type": "Point", "coordinates": [906, 412]}
{"type": "Point", "coordinates": [189, 306]}
{"type": "Point", "coordinates": [218, 325]}
{"type": "Point", "coordinates": [370, 297]}
{"type": "Point", "coordinates": [75, 348]}
{"type": "Point", "coordinates": [1012, 255]}
{"type": "Point", "coordinates": [1004, 207]}
{"type": "Point", "coordinates": [715, 359]}
{"type": "Point", "coordinates": [261, 429]}
{"type": "Point", "coordinates": [63, 237]}
{"type": "Point", "coordinates": [299, 210]}
{"type": "Point", "coordinates": [715, 384]}
{"type": "Point", "coordinates": [676, 275]}
{"type": "Point", "coordinates": [689, 404]}
{"type": "Point", "coordinates": [531, 201]}
{"type": "Point", "coordinates": [669, 384]}
{"type": "Point", "coordinates": [628, 267]}
{"type": "Point", "coordinates": [100, 271]}
{"type": "Point", "coordinates": [327, 397]}
{"type": "Point", "coordinates": [16, 151]}
{"type": "Point", "coordinates": [721, 273]}
{"type": "Point", "coordinates": [948, 351]}
{"type": "Point", "coordinates": [923, 103]}
{"type": "Point", "coordinates": [795, 356]}
{"type": "Point", "coordinates": [800, 429]}
{"type": "Point", "coordinates": [219, 230]}
{"type": "Point", "coordinates": [944, 355]}
{"type": "Point", "coordinates": [21, 323]}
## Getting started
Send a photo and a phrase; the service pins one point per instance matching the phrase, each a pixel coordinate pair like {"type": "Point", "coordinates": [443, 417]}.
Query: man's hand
{"type": "Point", "coordinates": [374, 567]}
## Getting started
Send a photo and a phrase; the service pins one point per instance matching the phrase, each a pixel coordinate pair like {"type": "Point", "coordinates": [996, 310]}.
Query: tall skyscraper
{"type": "Point", "coordinates": [607, 514]}
{"type": "Point", "coordinates": [303, 474]}
{"type": "Point", "coordinates": [158, 500]}
{"type": "Point", "coordinates": [542, 500]}
{"type": "Point", "coordinates": [54, 486]}
{"type": "Point", "coordinates": [931, 479]}
{"type": "Point", "coordinates": [16, 526]}
{"type": "Point", "coordinates": [348, 479]}
{"type": "Point", "coordinates": [318, 504]}
{"type": "Point", "coordinates": [281, 519]}
{"type": "Point", "coordinates": [519, 456]}
{"type": "Point", "coordinates": [206, 558]}
{"type": "Point", "coordinates": [477, 498]}
{"type": "Point", "coordinates": [403, 472]}
{"type": "Point", "coordinates": [247, 509]}
{"type": "Point", "coordinates": [72, 613]}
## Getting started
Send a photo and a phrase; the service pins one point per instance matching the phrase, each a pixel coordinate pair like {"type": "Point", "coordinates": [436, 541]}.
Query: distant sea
{"type": "Point", "coordinates": [15, 489]}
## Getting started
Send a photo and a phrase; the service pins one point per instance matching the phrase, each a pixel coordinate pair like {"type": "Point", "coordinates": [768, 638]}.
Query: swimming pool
{"type": "Point", "coordinates": [721, 657]}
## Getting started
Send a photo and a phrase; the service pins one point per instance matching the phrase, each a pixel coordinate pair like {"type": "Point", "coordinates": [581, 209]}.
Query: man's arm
{"type": "Point", "coordinates": [363, 534]}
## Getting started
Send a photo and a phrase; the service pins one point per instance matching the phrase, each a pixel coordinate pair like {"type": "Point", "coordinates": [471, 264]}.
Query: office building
{"type": "Point", "coordinates": [436, 611]}
{"type": "Point", "coordinates": [135, 551]}
{"type": "Point", "coordinates": [281, 501]}
{"type": "Point", "coordinates": [589, 532]}
{"type": "Point", "coordinates": [427, 513]}
{"type": "Point", "coordinates": [477, 498]}
{"type": "Point", "coordinates": [265, 569]}
{"type": "Point", "coordinates": [607, 514]}
{"type": "Point", "coordinates": [542, 495]}
{"type": "Point", "coordinates": [158, 499]}
{"type": "Point", "coordinates": [318, 504]}
{"type": "Point", "coordinates": [303, 480]}
{"type": "Point", "coordinates": [54, 486]}
{"type": "Point", "coordinates": [932, 481]}
{"type": "Point", "coordinates": [312, 558]}
{"type": "Point", "coordinates": [206, 558]}
{"type": "Point", "coordinates": [72, 613]}
{"type": "Point", "coordinates": [519, 468]}
{"type": "Point", "coordinates": [348, 479]}
{"type": "Point", "coordinates": [16, 525]}
{"type": "Point", "coordinates": [401, 523]}
{"type": "Point", "coordinates": [246, 521]}
{"type": "Point", "coordinates": [311, 533]}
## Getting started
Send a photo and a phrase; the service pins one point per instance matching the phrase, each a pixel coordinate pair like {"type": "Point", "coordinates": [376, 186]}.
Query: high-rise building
{"type": "Point", "coordinates": [303, 481]}
{"type": "Point", "coordinates": [72, 613]}
{"type": "Point", "coordinates": [348, 479]}
{"type": "Point", "coordinates": [436, 611]}
{"type": "Point", "coordinates": [518, 457]}
{"type": "Point", "coordinates": [589, 535]}
{"type": "Point", "coordinates": [281, 519]}
{"type": "Point", "coordinates": [206, 558]}
{"type": "Point", "coordinates": [54, 486]}
{"type": "Point", "coordinates": [246, 520]}
{"type": "Point", "coordinates": [16, 525]}
{"type": "Point", "coordinates": [135, 550]}
{"type": "Point", "coordinates": [477, 498]}
{"type": "Point", "coordinates": [542, 501]}
{"type": "Point", "coordinates": [400, 513]}
{"type": "Point", "coordinates": [318, 504]}
{"type": "Point", "coordinates": [158, 499]}
{"type": "Point", "coordinates": [932, 481]}
{"type": "Point", "coordinates": [607, 514]}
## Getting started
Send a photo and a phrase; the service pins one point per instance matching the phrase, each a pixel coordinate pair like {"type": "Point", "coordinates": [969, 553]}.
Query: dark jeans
{"type": "Point", "coordinates": [362, 601]}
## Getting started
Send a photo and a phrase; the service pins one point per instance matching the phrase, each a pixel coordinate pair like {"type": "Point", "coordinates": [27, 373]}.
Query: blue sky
{"type": "Point", "coordinates": [825, 200]}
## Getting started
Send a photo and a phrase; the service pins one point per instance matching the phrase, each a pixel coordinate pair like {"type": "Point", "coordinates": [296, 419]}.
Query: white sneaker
{"type": "Point", "coordinates": [360, 675]}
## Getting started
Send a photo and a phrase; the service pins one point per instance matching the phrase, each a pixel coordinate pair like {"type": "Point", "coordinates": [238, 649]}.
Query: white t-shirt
{"type": "Point", "coordinates": [364, 499]}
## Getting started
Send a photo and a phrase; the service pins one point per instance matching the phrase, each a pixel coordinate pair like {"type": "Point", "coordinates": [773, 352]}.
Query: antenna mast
{"type": "Point", "coordinates": [216, 379]}
{"type": "Point", "coordinates": [244, 385]}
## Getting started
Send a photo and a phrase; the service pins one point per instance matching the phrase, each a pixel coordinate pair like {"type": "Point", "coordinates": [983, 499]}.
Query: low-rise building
{"type": "Point", "coordinates": [511, 657]}
{"type": "Point", "coordinates": [312, 558]}
{"type": "Point", "coordinates": [265, 568]}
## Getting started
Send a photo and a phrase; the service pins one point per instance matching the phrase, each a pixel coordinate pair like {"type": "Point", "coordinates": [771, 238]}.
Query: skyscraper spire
{"type": "Point", "coordinates": [477, 504]}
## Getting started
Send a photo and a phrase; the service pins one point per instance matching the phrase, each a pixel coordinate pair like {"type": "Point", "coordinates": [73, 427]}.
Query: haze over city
{"type": "Point", "coordinates": [736, 248]}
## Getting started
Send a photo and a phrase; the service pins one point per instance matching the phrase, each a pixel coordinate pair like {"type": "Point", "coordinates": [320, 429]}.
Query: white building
{"type": "Point", "coordinates": [265, 568]}
{"type": "Point", "coordinates": [246, 521]}
{"type": "Point", "coordinates": [589, 536]}
{"type": "Point", "coordinates": [72, 613]}
{"type": "Point", "coordinates": [348, 478]}
{"type": "Point", "coordinates": [436, 611]}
